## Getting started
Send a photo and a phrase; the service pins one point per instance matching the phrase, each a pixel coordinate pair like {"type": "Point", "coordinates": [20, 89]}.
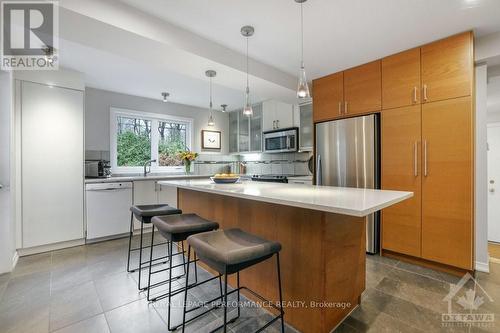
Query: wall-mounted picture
{"type": "Point", "coordinates": [210, 139]}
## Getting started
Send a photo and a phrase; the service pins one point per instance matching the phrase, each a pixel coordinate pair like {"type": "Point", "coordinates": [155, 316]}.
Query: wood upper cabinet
{"type": "Point", "coordinates": [401, 79]}
{"type": "Point", "coordinates": [401, 170]}
{"type": "Point", "coordinates": [328, 97]}
{"type": "Point", "coordinates": [363, 89]}
{"type": "Point", "coordinates": [447, 68]}
{"type": "Point", "coordinates": [447, 183]}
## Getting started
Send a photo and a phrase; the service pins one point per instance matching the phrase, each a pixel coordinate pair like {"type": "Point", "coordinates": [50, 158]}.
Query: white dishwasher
{"type": "Point", "coordinates": [108, 209]}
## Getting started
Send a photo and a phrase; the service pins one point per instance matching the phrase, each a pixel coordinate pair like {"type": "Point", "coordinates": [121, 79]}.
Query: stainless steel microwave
{"type": "Point", "coordinates": [281, 141]}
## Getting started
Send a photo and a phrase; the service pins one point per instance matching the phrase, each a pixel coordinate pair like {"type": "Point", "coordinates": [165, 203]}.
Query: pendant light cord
{"type": "Point", "coordinates": [247, 67]}
{"type": "Point", "coordinates": [302, 34]}
{"type": "Point", "coordinates": [210, 95]}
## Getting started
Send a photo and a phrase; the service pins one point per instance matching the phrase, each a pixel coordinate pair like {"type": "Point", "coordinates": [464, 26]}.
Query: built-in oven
{"type": "Point", "coordinates": [281, 141]}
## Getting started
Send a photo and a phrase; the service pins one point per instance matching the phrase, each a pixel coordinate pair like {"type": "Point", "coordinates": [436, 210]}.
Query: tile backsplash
{"type": "Point", "coordinates": [259, 163]}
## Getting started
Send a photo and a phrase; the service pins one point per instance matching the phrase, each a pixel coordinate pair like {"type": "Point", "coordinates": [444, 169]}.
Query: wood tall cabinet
{"type": "Point", "coordinates": [425, 97]}
{"type": "Point", "coordinates": [402, 170]}
{"type": "Point", "coordinates": [447, 182]}
{"type": "Point", "coordinates": [427, 148]}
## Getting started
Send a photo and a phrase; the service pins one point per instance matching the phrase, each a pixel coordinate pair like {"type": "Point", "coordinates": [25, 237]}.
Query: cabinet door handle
{"type": "Point", "coordinates": [415, 95]}
{"type": "Point", "coordinates": [425, 93]}
{"type": "Point", "coordinates": [340, 108]}
{"type": "Point", "coordinates": [345, 107]}
{"type": "Point", "coordinates": [278, 123]}
{"type": "Point", "coordinates": [415, 158]}
{"type": "Point", "coordinates": [274, 124]}
{"type": "Point", "coordinates": [426, 171]}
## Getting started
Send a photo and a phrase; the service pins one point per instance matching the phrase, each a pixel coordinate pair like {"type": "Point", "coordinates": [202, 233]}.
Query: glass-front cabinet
{"type": "Point", "coordinates": [245, 133]}
{"type": "Point", "coordinates": [233, 132]}
{"type": "Point", "coordinates": [256, 129]}
{"type": "Point", "coordinates": [306, 127]}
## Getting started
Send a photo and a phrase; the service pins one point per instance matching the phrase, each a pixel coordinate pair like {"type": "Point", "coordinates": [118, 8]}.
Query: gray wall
{"type": "Point", "coordinates": [98, 102]}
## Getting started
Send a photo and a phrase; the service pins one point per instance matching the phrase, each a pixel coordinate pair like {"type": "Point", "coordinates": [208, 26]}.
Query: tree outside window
{"type": "Point", "coordinates": [172, 140]}
{"type": "Point", "coordinates": [138, 137]}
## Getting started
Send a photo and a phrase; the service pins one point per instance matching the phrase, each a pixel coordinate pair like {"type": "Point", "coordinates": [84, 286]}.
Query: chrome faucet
{"type": "Point", "coordinates": [148, 163]}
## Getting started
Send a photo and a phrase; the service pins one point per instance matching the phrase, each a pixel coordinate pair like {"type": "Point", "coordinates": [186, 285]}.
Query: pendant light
{"type": "Point", "coordinates": [302, 86]}
{"type": "Point", "coordinates": [211, 73]}
{"type": "Point", "coordinates": [247, 31]}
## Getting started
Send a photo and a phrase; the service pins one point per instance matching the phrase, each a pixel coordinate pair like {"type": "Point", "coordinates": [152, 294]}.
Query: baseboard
{"type": "Point", "coordinates": [15, 258]}
{"type": "Point", "coordinates": [50, 247]}
{"type": "Point", "coordinates": [483, 266]}
{"type": "Point", "coordinates": [426, 263]}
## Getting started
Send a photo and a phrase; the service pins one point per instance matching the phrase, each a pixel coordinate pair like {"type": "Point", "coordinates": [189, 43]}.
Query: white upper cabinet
{"type": "Point", "coordinates": [276, 115]}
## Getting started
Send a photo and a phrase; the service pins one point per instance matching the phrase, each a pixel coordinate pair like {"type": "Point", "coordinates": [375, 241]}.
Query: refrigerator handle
{"type": "Point", "coordinates": [319, 176]}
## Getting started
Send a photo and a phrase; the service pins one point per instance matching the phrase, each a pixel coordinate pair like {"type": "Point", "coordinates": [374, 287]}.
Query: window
{"type": "Point", "coordinates": [138, 137]}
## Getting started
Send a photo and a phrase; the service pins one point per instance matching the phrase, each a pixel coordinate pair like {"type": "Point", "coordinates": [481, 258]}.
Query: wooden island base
{"type": "Point", "coordinates": [322, 257]}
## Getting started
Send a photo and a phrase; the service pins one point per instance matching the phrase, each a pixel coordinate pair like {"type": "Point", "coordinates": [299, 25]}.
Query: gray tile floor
{"type": "Point", "coordinates": [87, 289]}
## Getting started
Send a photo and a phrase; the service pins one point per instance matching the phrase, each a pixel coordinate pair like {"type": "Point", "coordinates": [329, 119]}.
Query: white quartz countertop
{"type": "Point", "coordinates": [340, 200]}
{"type": "Point", "coordinates": [132, 178]}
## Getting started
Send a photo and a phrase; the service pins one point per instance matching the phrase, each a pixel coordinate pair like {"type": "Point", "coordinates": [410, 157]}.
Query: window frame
{"type": "Point", "coordinates": [155, 118]}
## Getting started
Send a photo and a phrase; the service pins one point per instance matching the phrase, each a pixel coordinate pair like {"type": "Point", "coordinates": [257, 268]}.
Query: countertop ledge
{"type": "Point", "coordinates": [339, 200]}
{"type": "Point", "coordinates": [118, 178]}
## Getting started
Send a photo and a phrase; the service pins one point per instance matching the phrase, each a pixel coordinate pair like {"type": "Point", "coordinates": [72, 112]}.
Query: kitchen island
{"type": "Point", "coordinates": [322, 233]}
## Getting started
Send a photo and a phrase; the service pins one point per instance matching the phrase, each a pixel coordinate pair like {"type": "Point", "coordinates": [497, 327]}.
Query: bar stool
{"type": "Point", "coordinates": [177, 228]}
{"type": "Point", "coordinates": [228, 252]}
{"type": "Point", "coordinates": [144, 213]}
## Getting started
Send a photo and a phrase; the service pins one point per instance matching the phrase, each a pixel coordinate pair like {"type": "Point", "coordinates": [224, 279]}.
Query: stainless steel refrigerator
{"type": "Point", "coordinates": [348, 155]}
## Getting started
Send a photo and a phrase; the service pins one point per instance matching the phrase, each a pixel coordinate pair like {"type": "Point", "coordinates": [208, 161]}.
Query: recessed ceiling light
{"type": "Point", "coordinates": [165, 96]}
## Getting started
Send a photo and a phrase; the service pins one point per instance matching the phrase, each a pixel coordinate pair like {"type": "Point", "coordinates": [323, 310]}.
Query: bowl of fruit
{"type": "Point", "coordinates": [225, 178]}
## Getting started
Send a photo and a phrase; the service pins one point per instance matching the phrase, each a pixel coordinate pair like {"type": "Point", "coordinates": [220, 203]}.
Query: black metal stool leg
{"type": "Point", "coordinates": [151, 261]}
{"type": "Point", "coordinates": [238, 286]}
{"type": "Point", "coordinates": [130, 241]}
{"type": "Point", "coordinates": [225, 302]}
{"type": "Point", "coordinates": [140, 257]}
{"type": "Point", "coordinates": [170, 285]}
{"type": "Point", "coordinates": [185, 294]}
{"type": "Point", "coordinates": [282, 313]}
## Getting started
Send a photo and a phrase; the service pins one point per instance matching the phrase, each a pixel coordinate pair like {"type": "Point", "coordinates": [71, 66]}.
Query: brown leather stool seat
{"type": "Point", "coordinates": [232, 250]}
{"type": "Point", "coordinates": [176, 228]}
{"type": "Point", "coordinates": [144, 213]}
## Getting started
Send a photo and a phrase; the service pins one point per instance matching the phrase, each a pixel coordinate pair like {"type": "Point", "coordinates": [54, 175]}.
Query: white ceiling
{"type": "Point", "coordinates": [145, 47]}
{"type": "Point", "coordinates": [338, 33]}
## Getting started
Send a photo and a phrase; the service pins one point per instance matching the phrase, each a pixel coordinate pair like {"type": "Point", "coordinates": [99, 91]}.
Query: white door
{"type": "Point", "coordinates": [494, 182]}
{"type": "Point", "coordinates": [6, 227]}
{"type": "Point", "coordinates": [52, 164]}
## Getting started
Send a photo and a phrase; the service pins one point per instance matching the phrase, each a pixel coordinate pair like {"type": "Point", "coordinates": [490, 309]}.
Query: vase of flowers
{"type": "Point", "coordinates": [187, 157]}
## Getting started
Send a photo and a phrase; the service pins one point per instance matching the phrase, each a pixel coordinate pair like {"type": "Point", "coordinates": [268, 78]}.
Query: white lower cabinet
{"type": "Point", "coordinates": [147, 192]}
{"type": "Point", "coordinates": [52, 120]}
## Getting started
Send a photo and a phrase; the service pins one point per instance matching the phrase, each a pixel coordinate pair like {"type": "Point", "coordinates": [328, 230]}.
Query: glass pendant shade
{"type": "Point", "coordinates": [302, 86]}
{"type": "Point", "coordinates": [211, 121]}
{"type": "Point", "coordinates": [211, 74]}
{"type": "Point", "coordinates": [247, 110]}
